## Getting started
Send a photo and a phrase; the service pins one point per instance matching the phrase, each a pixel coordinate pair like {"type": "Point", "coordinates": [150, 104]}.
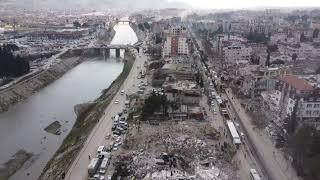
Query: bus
{"type": "Point", "coordinates": [234, 134]}
{"type": "Point", "coordinates": [104, 165]}
{"type": "Point", "coordinates": [254, 175]}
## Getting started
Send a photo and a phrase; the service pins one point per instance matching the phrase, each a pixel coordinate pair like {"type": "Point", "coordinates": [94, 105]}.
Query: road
{"type": "Point", "coordinates": [243, 158]}
{"type": "Point", "coordinates": [78, 169]}
{"type": "Point", "coordinates": [276, 166]}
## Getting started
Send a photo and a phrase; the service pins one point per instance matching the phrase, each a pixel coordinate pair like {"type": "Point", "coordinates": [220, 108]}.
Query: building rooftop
{"type": "Point", "coordinates": [296, 82]}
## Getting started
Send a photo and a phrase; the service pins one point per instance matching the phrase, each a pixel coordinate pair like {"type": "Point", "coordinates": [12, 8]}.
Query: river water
{"type": "Point", "coordinates": [22, 127]}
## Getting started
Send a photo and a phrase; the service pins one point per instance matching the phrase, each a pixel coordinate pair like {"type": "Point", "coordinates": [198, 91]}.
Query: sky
{"type": "Point", "coordinates": [238, 4]}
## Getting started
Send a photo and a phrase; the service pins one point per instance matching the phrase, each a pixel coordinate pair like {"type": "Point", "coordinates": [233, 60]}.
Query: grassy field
{"type": "Point", "coordinates": [83, 126]}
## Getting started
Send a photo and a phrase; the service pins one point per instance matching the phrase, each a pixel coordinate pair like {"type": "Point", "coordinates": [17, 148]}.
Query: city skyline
{"type": "Point", "coordinates": [243, 4]}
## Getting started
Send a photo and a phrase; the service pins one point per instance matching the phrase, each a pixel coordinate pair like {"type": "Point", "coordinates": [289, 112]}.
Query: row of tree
{"type": "Point", "coordinates": [153, 103]}
{"type": "Point", "coordinates": [10, 65]}
{"type": "Point", "coordinates": [143, 26]}
{"type": "Point", "coordinates": [303, 144]}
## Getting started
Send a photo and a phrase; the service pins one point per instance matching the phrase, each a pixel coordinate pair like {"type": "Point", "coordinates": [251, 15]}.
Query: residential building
{"type": "Point", "coordinates": [293, 87]}
{"type": "Point", "coordinates": [176, 42]}
{"type": "Point", "coordinates": [308, 109]}
{"type": "Point", "coordinates": [237, 54]}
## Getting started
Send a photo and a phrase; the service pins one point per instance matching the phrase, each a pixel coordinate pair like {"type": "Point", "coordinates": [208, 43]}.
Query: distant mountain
{"type": "Point", "coordinates": [95, 4]}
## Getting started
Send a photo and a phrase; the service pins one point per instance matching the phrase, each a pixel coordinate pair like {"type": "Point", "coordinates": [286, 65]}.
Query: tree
{"type": "Point", "coordinates": [154, 103]}
{"type": "Point", "coordinates": [291, 122]}
{"type": "Point", "coordinates": [254, 59]}
{"type": "Point", "coordinates": [318, 70]}
{"type": "Point", "coordinates": [294, 57]}
{"type": "Point", "coordinates": [158, 38]}
{"type": "Point", "coordinates": [305, 150]}
{"type": "Point", "coordinates": [268, 58]}
{"type": "Point", "coordinates": [140, 26]}
{"type": "Point", "coordinates": [10, 65]}
{"type": "Point", "coordinates": [76, 24]}
{"type": "Point", "coordinates": [146, 25]}
{"type": "Point", "coordinates": [85, 25]}
{"type": "Point", "coordinates": [273, 48]}
{"type": "Point", "coordinates": [201, 82]}
{"type": "Point", "coordinates": [315, 33]}
{"type": "Point", "coordinates": [303, 38]}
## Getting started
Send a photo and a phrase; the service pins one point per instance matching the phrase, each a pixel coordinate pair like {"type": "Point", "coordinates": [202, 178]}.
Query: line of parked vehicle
{"type": "Point", "coordinates": [99, 164]}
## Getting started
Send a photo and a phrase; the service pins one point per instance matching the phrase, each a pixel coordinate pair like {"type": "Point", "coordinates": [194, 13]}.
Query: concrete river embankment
{"type": "Point", "coordinates": [78, 77]}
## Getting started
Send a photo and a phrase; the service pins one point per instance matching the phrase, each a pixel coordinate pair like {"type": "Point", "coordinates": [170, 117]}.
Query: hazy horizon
{"type": "Point", "coordinates": [159, 4]}
{"type": "Point", "coordinates": [248, 4]}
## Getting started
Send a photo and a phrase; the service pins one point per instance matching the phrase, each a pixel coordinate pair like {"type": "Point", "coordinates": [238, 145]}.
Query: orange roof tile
{"type": "Point", "coordinates": [296, 82]}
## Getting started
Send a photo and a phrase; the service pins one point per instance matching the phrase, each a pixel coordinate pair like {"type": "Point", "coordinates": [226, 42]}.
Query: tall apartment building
{"type": "Point", "coordinates": [176, 42]}
{"type": "Point", "coordinates": [295, 88]}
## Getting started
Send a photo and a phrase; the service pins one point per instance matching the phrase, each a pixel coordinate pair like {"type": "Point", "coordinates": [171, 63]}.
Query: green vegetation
{"type": "Point", "coordinates": [10, 65]}
{"type": "Point", "coordinates": [304, 147]}
{"type": "Point", "coordinates": [199, 79]}
{"type": "Point", "coordinates": [146, 25]}
{"type": "Point", "coordinates": [315, 33]}
{"type": "Point", "coordinates": [318, 70]}
{"type": "Point", "coordinates": [140, 26]}
{"type": "Point", "coordinates": [153, 103]}
{"type": "Point", "coordinates": [76, 24]}
{"type": "Point", "coordinates": [257, 37]}
{"type": "Point", "coordinates": [83, 126]}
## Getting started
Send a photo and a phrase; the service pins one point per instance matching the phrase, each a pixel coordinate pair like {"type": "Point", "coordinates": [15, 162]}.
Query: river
{"type": "Point", "coordinates": [22, 127]}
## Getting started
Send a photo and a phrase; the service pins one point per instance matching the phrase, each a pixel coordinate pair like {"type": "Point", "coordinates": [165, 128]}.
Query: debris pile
{"type": "Point", "coordinates": [171, 151]}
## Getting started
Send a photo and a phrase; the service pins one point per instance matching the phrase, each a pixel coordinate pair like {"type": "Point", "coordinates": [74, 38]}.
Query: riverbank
{"type": "Point", "coordinates": [38, 80]}
{"type": "Point", "coordinates": [140, 34]}
{"type": "Point", "coordinates": [73, 143]}
{"type": "Point", "coordinates": [33, 82]}
{"type": "Point", "coordinates": [30, 85]}
{"type": "Point", "coordinates": [15, 163]}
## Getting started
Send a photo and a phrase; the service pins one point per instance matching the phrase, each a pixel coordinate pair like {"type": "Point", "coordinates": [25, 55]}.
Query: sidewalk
{"type": "Point", "coordinates": [276, 166]}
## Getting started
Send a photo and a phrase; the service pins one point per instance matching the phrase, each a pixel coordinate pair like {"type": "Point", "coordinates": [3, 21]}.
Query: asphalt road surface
{"type": "Point", "coordinates": [78, 169]}
{"type": "Point", "coordinates": [276, 166]}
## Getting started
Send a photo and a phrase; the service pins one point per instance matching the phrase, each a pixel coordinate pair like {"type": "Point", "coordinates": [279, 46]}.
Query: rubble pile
{"type": "Point", "coordinates": [172, 150]}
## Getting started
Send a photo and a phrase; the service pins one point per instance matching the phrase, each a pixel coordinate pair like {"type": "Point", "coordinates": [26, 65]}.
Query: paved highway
{"type": "Point", "coordinates": [78, 169]}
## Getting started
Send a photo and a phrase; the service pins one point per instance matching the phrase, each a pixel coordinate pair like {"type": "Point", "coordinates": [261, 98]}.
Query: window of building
{"type": "Point", "coordinates": [308, 112]}
{"type": "Point", "coordinates": [316, 106]}
{"type": "Point", "coordinates": [309, 105]}
{"type": "Point", "coordinates": [315, 112]}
